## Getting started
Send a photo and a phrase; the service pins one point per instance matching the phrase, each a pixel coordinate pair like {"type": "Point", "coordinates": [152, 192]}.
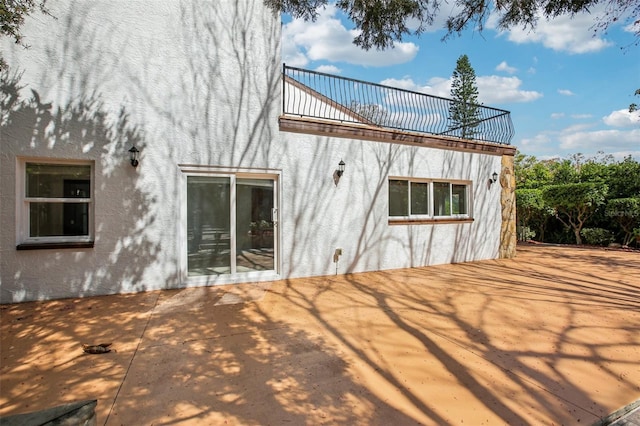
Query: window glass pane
{"type": "Point", "coordinates": [208, 225]}
{"type": "Point", "coordinates": [459, 199]}
{"type": "Point", "coordinates": [419, 198]}
{"type": "Point", "coordinates": [58, 219]}
{"type": "Point", "coordinates": [441, 199]}
{"type": "Point", "coordinates": [58, 180]}
{"type": "Point", "coordinates": [398, 198]}
{"type": "Point", "coordinates": [254, 225]}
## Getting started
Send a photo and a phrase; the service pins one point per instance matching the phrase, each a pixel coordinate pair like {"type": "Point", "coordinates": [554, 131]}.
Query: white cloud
{"type": "Point", "coordinates": [585, 139]}
{"type": "Point", "coordinates": [495, 90]}
{"type": "Point", "coordinates": [292, 56]}
{"type": "Point", "coordinates": [600, 140]}
{"type": "Point", "coordinates": [559, 115]}
{"type": "Point", "coordinates": [503, 66]}
{"type": "Point", "coordinates": [329, 69]}
{"type": "Point", "coordinates": [536, 144]}
{"type": "Point", "coordinates": [328, 39]}
{"type": "Point", "coordinates": [633, 26]}
{"type": "Point", "coordinates": [565, 92]}
{"type": "Point", "coordinates": [578, 128]}
{"type": "Point", "coordinates": [565, 33]}
{"type": "Point", "coordinates": [492, 89]}
{"type": "Point", "coordinates": [622, 118]}
{"type": "Point", "coordinates": [405, 83]}
{"type": "Point", "coordinates": [435, 86]}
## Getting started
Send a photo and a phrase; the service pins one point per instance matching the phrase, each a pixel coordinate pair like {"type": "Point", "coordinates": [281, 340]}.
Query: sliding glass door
{"type": "Point", "coordinates": [231, 223]}
{"type": "Point", "coordinates": [255, 217]}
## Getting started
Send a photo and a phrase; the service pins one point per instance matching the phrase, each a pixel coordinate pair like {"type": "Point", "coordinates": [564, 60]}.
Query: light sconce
{"type": "Point", "coordinates": [134, 156]}
{"type": "Point", "coordinates": [493, 179]}
{"type": "Point", "coordinates": [340, 170]}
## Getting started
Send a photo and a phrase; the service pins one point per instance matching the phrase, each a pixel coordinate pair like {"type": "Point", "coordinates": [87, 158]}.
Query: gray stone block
{"type": "Point", "coordinates": [81, 413]}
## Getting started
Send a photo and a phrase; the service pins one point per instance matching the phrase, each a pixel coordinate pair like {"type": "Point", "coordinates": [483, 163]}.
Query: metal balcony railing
{"type": "Point", "coordinates": [328, 97]}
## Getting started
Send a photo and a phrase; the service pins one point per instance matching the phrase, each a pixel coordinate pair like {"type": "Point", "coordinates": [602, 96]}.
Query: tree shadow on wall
{"type": "Point", "coordinates": [81, 130]}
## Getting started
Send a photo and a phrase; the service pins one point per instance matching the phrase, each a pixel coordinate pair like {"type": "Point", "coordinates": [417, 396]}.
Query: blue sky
{"type": "Point", "coordinates": [568, 90]}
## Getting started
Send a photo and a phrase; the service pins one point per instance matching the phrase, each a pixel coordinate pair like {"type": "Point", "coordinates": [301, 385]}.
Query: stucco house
{"type": "Point", "coordinates": [162, 144]}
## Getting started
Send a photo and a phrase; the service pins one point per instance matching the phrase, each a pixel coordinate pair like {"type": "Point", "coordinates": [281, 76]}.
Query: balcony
{"type": "Point", "coordinates": [325, 97]}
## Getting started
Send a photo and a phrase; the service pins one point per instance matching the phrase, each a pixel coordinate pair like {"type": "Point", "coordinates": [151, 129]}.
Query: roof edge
{"type": "Point", "coordinates": [378, 134]}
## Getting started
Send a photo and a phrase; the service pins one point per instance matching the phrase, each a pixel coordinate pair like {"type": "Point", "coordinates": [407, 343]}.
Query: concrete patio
{"type": "Point", "coordinates": [551, 337]}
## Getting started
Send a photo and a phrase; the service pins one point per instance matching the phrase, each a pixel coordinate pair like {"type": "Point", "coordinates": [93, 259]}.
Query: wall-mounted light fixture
{"type": "Point", "coordinates": [340, 170]}
{"type": "Point", "coordinates": [493, 179]}
{"type": "Point", "coordinates": [134, 156]}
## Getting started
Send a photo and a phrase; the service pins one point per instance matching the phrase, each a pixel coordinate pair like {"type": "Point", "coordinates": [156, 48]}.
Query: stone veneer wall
{"type": "Point", "coordinates": [508, 237]}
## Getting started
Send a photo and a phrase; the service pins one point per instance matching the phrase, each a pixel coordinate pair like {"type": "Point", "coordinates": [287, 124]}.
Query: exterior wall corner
{"type": "Point", "coordinates": [508, 236]}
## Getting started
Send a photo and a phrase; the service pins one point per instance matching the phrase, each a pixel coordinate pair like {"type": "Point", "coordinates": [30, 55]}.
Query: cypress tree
{"type": "Point", "coordinates": [464, 112]}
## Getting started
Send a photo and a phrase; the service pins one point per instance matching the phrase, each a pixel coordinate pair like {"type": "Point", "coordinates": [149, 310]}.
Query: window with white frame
{"type": "Point", "coordinates": [231, 223]}
{"type": "Point", "coordinates": [423, 199]}
{"type": "Point", "coordinates": [57, 202]}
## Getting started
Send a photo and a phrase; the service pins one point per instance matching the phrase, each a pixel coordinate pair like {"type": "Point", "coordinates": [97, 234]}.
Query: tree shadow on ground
{"type": "Point", "coordinates": [548, 336]}
{"type": "Point", "coordinates": [496, 341]}
{"type": "Point", "coordinates": [179, 356]}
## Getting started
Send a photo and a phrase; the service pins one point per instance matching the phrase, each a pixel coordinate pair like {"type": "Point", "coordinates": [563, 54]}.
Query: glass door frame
{"type": "Point", "coordinates": [233, 174]}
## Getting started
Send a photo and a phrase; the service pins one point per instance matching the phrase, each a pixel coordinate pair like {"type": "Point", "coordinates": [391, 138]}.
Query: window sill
{"type": "Point", "coordinates": [430, 221]}
{"type": "Point", "coordinates": [57, 245]}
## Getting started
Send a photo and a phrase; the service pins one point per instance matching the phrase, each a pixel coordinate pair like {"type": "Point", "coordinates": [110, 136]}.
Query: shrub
{"type": "Point", "coordinates": [525, 233]}
{"type": "Point", "coordinates": [636, 235]}
{"type": "Point", "coordinates": [597, 236]}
